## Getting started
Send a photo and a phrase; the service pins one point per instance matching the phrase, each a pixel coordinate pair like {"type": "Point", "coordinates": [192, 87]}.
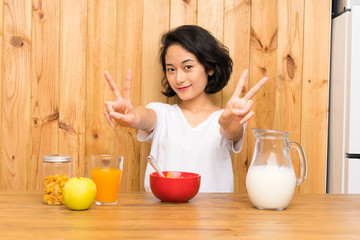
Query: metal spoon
{"type": "Point", "coordinates": [154, 165]}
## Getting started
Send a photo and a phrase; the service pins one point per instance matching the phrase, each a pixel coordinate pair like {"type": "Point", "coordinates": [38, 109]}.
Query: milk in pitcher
{"type": "Point", "coordinates": [270, 186]}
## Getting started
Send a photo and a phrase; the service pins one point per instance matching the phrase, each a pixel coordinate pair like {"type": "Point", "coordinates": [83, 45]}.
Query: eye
{"type": "Point", "coordinates": [170, 69]}
{"type": "Point", "coordinates": [187, 67]}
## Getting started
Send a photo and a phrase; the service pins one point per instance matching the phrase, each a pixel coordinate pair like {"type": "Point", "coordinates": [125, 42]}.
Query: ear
{"type": "Point", "coordinates": [210, 72]}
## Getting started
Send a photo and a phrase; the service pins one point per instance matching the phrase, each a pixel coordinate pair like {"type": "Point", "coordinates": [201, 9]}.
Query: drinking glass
{"type": "Point", "coordinates": [106, 173]}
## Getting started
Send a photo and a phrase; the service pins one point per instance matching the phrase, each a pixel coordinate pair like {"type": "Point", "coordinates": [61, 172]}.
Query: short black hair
{"type": "Point", "coordinates": [209, 51]}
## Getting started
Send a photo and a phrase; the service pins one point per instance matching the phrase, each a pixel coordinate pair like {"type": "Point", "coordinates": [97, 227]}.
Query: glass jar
{"type": "Point", "coordinates": [56, 172]}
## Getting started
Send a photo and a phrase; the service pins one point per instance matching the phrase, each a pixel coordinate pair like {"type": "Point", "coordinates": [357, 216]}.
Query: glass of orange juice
{"type": "Point", "coordinates": [106, 173]}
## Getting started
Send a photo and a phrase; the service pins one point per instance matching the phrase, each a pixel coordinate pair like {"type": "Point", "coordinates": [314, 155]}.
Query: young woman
{"type": "Point", "coordinates": [194, 135]}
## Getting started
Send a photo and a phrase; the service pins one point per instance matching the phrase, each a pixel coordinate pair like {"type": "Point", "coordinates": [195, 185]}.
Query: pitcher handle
{"type": "Point", "coordinates": [303, 164]}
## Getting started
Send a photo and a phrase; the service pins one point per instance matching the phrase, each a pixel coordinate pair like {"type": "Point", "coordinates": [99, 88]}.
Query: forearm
{"type": "Point", "coordinates": [232, 134]}
{"type": "Point", "coordinates": [146, 118]}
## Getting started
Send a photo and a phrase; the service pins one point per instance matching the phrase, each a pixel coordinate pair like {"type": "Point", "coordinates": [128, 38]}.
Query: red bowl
{"type": "Point", "coordinates": [181, 187]}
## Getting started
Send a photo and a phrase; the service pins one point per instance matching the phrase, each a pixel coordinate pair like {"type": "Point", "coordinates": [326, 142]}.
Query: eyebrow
{"type": "Point", "coordinates": [185, 61]}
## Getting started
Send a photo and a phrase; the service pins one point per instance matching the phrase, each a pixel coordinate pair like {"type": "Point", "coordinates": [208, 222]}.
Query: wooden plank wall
{"type": "Point", "coordinates": [53, 54]}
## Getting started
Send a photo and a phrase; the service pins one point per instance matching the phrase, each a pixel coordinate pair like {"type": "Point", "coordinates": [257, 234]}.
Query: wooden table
{"type": "Point", "coordinates": [207, 216]}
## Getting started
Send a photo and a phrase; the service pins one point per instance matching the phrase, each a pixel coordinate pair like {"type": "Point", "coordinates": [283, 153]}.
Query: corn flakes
{"type": "Point", "coordinates": [53, 189]}
{"type": "Point", "coordinates": [169, 175]}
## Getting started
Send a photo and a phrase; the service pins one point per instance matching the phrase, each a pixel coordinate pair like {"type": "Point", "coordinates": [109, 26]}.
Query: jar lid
{"type": "Point", "coordinates": [56, 158]}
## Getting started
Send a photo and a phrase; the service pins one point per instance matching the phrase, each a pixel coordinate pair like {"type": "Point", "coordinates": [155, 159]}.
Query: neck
{"type": "Point", "coordinates": [198, 104]}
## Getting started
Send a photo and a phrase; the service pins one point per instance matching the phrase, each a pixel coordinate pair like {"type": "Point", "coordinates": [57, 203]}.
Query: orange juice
{"type": "Point", "coordinates": [107, 182]}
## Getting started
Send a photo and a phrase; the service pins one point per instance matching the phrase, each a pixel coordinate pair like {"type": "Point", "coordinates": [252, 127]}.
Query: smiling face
{"type": "Point", "coordinates": [185, 74]}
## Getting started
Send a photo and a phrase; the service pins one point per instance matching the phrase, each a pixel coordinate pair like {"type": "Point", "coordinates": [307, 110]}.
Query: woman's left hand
{"type": "Point", "coordinates": [238, 110]}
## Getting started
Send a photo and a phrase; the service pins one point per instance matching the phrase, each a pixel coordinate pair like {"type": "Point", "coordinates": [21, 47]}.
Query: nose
{"type": "Point", "coordinates": [180, 77]}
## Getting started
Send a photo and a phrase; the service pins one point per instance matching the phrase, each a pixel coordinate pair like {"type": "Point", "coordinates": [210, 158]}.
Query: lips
{"type": "Point", "coordinates": [183, 88]}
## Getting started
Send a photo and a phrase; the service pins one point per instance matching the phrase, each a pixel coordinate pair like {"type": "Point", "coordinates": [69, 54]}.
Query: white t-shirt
{"type": "Point", "coordinates": [176, 146]}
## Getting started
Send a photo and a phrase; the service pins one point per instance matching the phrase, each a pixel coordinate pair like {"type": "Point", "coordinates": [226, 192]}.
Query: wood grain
{"type": "Point", "coordinates": [183, 13]}
{"type": "Point", "coordinates": [15, 114]}
{"type": "Point", "coordinates": [263, 55]}
{"type": "Point", "coordinates": [207, 216]}
{"type": "Point", "coordinates": [72, 86]}
{"type": "Point", "coordinates": [288, 93]}
{"type": "Point", "coordinates": [44, 86]}
{"type": "Point", "coordinates": [315, 84]}
{"type": "Point", "coordinates": [237, 39]}
{"type": "Point", "coordinates": [100, 137]}
{"type": "Point", "coordinates": [53, 55]}
{"type": "Point", "coordinates": [113, 40]}
{"type": "Point", "coordinates": [129, 42]}
{"type": "Point", "coordinates": [155, 23]}
{"type": "Point", "coordinates": [1, 97]}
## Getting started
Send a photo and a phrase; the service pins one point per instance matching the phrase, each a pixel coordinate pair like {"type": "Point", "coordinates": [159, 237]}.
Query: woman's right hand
{"type": "Point", "coordinates": [121, 109]}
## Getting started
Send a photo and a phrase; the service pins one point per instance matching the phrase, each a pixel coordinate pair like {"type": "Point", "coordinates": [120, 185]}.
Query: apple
{"type": "Point", "coordinates": [79, 193]}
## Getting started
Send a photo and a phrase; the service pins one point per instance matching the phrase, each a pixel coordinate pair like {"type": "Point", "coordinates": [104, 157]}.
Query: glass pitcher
{"type": "Point", "coordinates": [271, 180]}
